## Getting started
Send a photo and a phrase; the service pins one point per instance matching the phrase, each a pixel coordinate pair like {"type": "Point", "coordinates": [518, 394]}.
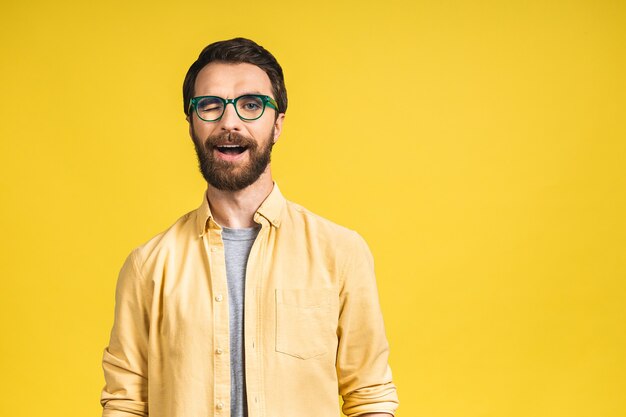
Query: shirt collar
{"type": "Point", "coordinates": [270, 209]}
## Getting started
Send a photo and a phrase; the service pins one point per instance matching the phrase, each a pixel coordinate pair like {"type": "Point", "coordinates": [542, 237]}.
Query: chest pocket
{"type": "Point", "coordinates": [304, 327]}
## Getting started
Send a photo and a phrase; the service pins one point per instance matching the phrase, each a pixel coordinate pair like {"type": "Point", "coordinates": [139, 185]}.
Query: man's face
{"type": "Point", "coordinates": [223, 165]}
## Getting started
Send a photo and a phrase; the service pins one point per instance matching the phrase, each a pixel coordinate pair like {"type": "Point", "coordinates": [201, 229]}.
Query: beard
{"type": "Point", "coordinates": [232, 175]}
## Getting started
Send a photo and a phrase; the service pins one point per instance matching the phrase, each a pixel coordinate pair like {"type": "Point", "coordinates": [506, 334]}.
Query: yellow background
{"type": "Point", "coordinates": [478, 146]}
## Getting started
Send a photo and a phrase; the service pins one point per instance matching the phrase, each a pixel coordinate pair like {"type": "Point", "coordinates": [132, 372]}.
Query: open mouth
{"type": "Point", "coordinates": [231, 149]}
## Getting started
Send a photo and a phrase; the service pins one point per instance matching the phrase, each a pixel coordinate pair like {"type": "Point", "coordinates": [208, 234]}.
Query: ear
{"type": "Point", "coordinates": [278, 126]}
{"type": "Point", "coordinates": [190, 121]}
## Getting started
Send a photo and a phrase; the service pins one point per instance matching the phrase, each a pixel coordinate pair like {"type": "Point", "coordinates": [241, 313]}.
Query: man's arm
{"type": "Point", "coordinates": [376, 415]}
{"type": "Point", "coordinates": [362, 357]}
{"type": "Point", "coordinates": [125, 360]}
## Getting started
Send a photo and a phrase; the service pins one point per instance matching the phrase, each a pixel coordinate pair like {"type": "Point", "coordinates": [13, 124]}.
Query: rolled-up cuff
{"type": "Point", "coordinates": [376, 399]}
{"type": "Point", "coordinates": [124, 408]}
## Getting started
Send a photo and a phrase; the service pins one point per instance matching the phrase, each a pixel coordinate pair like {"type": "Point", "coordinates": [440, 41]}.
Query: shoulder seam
{"type": "Point", "coordinates": [133, 255]}
{"type": "Point", "coordinates": [348, 261]}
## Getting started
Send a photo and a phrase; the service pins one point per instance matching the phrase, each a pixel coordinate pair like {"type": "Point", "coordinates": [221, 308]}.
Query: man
{"type": "Point", "coordinates": [249, 305]}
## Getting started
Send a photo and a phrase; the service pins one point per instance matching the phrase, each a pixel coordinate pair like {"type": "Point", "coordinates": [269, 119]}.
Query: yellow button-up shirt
{"type": "Point", "coordinates": [313, 325]}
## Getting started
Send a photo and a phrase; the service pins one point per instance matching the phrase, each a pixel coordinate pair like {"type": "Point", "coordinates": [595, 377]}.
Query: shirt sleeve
{"type": "Point", "coordinates": [363, 371]}
{"type": "Point", "coordinates": [125, 360]}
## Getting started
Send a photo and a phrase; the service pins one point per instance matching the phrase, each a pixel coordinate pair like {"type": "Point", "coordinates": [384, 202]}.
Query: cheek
{"type": "Point", "coordinates": [263, 130]}
{"type": "Point", "coordinates": [200, 130]}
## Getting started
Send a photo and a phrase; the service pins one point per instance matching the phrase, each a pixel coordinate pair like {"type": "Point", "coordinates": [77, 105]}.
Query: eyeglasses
{"type": "Point", "coordinates": [248, 107]}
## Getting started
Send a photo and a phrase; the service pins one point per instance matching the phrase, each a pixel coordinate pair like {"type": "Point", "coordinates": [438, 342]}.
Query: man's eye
{"type": "Point", "coordinates": [251, 106]}
{"type": "Point", "coordinates": [213, 107]}
{"type": "Point", "coordinates": [209, 105]}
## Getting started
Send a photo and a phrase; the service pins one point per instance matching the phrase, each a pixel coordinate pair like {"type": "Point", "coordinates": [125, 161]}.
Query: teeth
{"type": "Point", "coordinates": [230, 146]}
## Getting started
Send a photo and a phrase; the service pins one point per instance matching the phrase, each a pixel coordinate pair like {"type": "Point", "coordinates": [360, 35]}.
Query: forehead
{"type": "Point", "coordinates": [231, 80]}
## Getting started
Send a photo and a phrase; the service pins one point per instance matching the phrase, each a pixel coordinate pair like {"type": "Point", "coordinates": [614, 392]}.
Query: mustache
{"type": "Point", "coordinates": [229, 138]}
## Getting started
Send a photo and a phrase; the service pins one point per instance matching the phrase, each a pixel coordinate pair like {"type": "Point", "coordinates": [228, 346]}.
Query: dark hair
{"type": "Point", "coordinates": [235, 51]}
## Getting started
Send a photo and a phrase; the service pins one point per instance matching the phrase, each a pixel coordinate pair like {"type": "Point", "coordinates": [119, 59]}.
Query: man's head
{"type": "Point", "coordinates": [234, 143]}
{"type": "Point", "coordinates": [237, 51]}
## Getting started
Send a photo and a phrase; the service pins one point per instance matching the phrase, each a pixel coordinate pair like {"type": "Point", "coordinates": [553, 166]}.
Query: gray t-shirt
{"type": "Point", "coordinates": [237, 246]}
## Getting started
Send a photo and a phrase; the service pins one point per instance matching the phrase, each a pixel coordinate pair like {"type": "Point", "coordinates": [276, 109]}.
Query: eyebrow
{"type": "Point", "coordinates": [254, 92]}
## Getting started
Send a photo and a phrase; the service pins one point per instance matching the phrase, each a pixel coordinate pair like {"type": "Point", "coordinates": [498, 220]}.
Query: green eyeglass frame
{"type": "Point", "coordinates": [265, 100]}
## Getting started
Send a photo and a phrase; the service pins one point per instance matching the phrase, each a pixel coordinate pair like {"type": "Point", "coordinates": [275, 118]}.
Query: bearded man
{"type": "Point", "coordinates": [249, 305]}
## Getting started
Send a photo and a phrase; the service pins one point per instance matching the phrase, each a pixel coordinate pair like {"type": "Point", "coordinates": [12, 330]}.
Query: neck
{"type": "Point", "coordinates": [235, 209]}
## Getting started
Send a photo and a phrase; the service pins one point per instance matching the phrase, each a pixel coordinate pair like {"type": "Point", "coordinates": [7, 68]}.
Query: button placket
{"type": "Point", "coordinates": [221, 370]}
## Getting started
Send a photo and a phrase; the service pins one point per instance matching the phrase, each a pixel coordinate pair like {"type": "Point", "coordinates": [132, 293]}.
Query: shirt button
{"type": "Point", "coordinates": [219, 405]}
{"type": "Point", "coordinates": [213, 249]}
{"type": "Point", "coordinates": [219, 351]}
{"type": "Point", "coordinates": [219, 298]}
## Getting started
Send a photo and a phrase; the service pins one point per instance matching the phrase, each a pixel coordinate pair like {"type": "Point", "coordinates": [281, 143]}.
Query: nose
{"type": "Point", "coordinates": [230, 120]}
